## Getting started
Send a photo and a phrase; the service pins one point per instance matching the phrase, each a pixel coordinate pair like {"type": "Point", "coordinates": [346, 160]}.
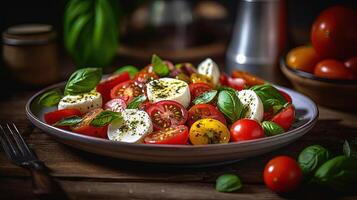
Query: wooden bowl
{"type": "Point", "coordinates": [339, 94]}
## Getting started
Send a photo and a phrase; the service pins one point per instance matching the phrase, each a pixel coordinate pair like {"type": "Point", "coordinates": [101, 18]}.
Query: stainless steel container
{"type": "Point", "coordinates": [259, 37]}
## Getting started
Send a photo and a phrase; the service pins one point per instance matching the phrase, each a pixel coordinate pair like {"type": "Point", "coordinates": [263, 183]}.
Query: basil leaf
{"type": "Point", "coordinates": [311, 158]}
{"type": "Point", "coordinates": [228, 183]}
{"type": "Point", "coordinates": [229, 104]}
{"type": "Point", "coordinates": [206, 97]}
{"type": "Point", "coordinates": [128, 68]}
{"type": "Point", "coordinates": [338, 173]}
{"type": "Point", "coordinates": [226, 88]}
{"type": "Point", "coordinates": [270, 128]}
{"type": "Point", "coordinates": [269, 96]}
{"type": "Point", "coordinates": [159, 66]}
{"type": "Point", "coordinates": [275, 105]}
{"type": "Point", "coordinates": [105, 117]}
{"type": "Point", "coordinates": [50, 98]}
{"type": "Point", "coordinates": [136, 102]}
{"type": "Point", "coordinates": [350, 148]}
{"type": "Point", "coordinates": [70, 121]}
{"type": "Point", "coordinates": [83, 80]}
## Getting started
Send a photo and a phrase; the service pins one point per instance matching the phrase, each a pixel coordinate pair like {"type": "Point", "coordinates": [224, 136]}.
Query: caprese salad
{"type": "Point", "coordinates": [165, 103]}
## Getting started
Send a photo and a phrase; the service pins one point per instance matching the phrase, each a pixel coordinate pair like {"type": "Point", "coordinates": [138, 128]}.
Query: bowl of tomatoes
{"type": "Point", "coordinates": [326, 69]}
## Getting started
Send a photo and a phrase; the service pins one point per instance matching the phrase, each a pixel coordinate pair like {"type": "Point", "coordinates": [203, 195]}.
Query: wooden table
{"type": "Point", "coordinates": [84, 175]}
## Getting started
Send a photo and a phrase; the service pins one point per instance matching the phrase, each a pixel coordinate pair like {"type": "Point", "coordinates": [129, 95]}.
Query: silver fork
{"type": "Point", "coordinates": [20, 154]}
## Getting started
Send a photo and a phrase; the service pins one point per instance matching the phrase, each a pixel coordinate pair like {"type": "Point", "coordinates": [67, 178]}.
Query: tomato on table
{"type": "Point", "coordinates": [172, 135]}
{"type": "Point", "coordinates": [167, 113]}
{"type": "Point", "coordinates": [246, 129]}
{"type": "Point", "coordinates": [85, 128]}
{"type": "Point", "coordinates": [285, 118]}
{"type": "Point", "coordinates": [334, 33]}
{"type": "Point", "coordinates": [351, 64]}
{"type": "Point", "coordinates": [332, 69]}
{"type": "Point", "coordinates": [109, 83]}
{"type": "Point", "coordinates": [201, 111]}
{"type": "Point", "coordinates": [208, 131]}
{"type": "Point", "coordinates": [116, 105]}
{"type": "Point", "coordinates": [145, 77]}
{"type": "Point", "coordinates": [282, 174]}
{"type": "Point", "coordinates": [303, 58]}
{"type": "Point", "coordinates": [57, 115]}
{"type": "Point", "coordinates": [196, 89]}
{"type": "Point", "coordinates": [250, 79]}
{"type": "Point", "coordinates": [127, 90]}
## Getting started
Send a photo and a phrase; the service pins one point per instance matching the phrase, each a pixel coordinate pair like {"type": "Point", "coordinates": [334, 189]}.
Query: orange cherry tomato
{"type": "Point", "coordinates": [332, 69]}
{"type": "Point", "coordinates": [302, 58]}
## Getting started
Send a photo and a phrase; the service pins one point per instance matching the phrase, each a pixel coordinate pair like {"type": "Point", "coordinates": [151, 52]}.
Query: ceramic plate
{"type": "Point", "coordinates": [306, 111]}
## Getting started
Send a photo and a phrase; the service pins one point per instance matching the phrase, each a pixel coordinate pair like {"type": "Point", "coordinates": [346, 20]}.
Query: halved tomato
{"type": "Point", "coordinates": [285, 118]}
{"type": "Point", "coordinates": [145, 77]}
{"type": "Point", "coordinates": [167, 113]}
{"type": "Point", "coordinates": [127, 90]}
{"type": "Point", "coordinates": [57, 115]}
{"type": "Point", "coordinates": [196, 89]}
{"type": "Point", "coordinates": [116, 105]}
{"type": "Point", "coordinates": [202, 111]}
{"type": "Point", "coordinates": [172, 135]}
{"type": "Point", "coordinates": [85, 128]}
{"type": "Point", "coordinates": [109, 83]}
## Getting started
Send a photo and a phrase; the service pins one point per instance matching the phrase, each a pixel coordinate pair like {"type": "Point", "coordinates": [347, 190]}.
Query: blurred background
{"type": "Point", "coordinates": [176, 30]}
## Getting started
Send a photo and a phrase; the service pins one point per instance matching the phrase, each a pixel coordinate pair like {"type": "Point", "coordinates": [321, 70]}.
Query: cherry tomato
{"type": "Point", "coordinates": [236, 83]}
{"type": "Point", "coordinates": [127, 91]}
{"type": "Point", "coordinates": [286, 96]}
{"type": "Point", "coordinates": [172, 135]}
{"type": "Point", "coordinates": [246, 129]}
{"type": "Point", "coordinates": [167, 113]}
{"type": "Point", "coordinates": [145, 77]}
{"type": "Point", "coordinates": [200, 78]}
{"type": "Point", "coordinates": [250, 79]}
{"type": "Point", "coordinates": [282, 174]}
{"type": "Point", "coordinates": [332, 69]}
{"type": "Point", "coordinates": [116, 105]}
{"type": "Point", "coordinates": [57, 115]}
{"type": "Point", "coordinates": [334, 33]}
{"type": "Point", "coordinates": [223, 79]}
{"type": "Point", "coordinates": [285, 118]}
{"type": "Point", "coordinates": [196, 89]}
{"type": "Point", "coordinates": [85, 128]}
{"type": "Point", "coordinates": [303, 58]}
{"type": "Point", "coordinates": [107, 84]}
{"type": "Point", "coordinates": [351, 64]}
{"type": "Point", "coordinates": [201, 111]}
{"type": "Point", "coordinates": [208, 131]}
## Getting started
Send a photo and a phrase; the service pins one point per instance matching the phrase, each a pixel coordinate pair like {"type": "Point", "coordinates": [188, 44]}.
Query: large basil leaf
{"type": "Point", "coordinates": [159, 66]}
{"type": "Point", "coordinates": [50, 98]}
{"type": "Point", "coordinates": [91, 31]}
{"type": "Point", "coordinates": [83, 80]}
{"type": "Point", "coordinates": [206, 97]}
{"type": "Point", "coordinates": [270, 97]}
{"type": "Point", "coordinates": [270, 128]}
{"type": "Point", "coordinates": [311, 158]}
{"type": "Point", "coordinates": [230, 105]}
{"type": "Point", "coordinates": [338, 173]}
{"type": "Point", "coordinates": [105, 117]}
{"type": "Point", "coordinates": [228, 183]}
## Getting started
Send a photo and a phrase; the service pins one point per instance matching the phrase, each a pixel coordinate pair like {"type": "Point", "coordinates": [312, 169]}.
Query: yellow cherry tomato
{"type": "Point", "coordinates": [200, 78]}
{"type": "Point", "coordinates": [209, 131]}
{"type": "Point", "coordinates": [302, 58]}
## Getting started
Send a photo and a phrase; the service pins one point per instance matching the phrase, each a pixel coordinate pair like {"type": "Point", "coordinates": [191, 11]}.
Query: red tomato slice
{"type": "Point", "coordinates": [85, 128]}
{"type": "Point", "coordinates": [223, 79]}
{"type": "Point", "coordinates": [201, 111]}
{"type": "Point", "coordinates": [109, 83]}
{"type": "Point", "coordinates": [116, 105]}
{"type": "Point", "coordinates": [176, 135]}
{"type": "Point", "coordinates": [145, 77]}
{"type": "Point", "coordinates": [165, 114]}
{"type": "Point", "coordinates": [286, 96]}
{"type": "Point", "coordinates": [55, 116]}
{"type": "Point", "coordinates": [236, 83]}
{"type": "Point", "coordinates": [285, 118]}
{"type": "Point", "coordinates": [196, 89]}
{"type": "Point", "coordinates": [246, 129]}
{"type": "Point", "coordinates": [127, 91]}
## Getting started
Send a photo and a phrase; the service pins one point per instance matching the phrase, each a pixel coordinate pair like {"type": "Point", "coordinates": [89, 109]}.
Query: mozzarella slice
{"type": "Point", "coordinates": [252, 103]}
{"type": "Point", "coordinates": [169, 89]}
{"type": "Point", "coordinates": [83, 102]}
{"type": "Point", "coordinates": [209, 68]}
{"type": "Point", "coordinates": [132, 129]}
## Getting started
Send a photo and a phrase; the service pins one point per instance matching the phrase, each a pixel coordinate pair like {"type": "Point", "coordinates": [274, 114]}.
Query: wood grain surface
{"type": "Point", "coordinates": [87, 176]}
